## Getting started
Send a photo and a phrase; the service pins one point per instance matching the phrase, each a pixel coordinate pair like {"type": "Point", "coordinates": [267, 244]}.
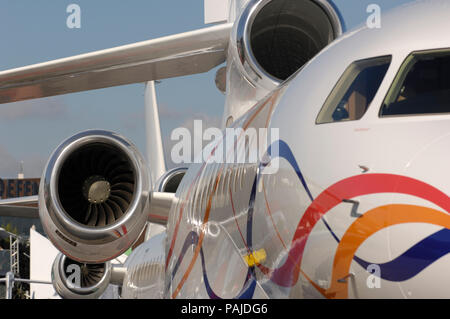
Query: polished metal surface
{"type": "Point", "coordinates": [159, 209]}
{"type": "Point", "coordinates": [164, 195]}
{"type": "Point", "coordinates": [237, 231]}
{"type": "Point", "coordinates": [79, 240]}
{"type": "Point", "coordinates": [210, 222]}
{"type": "Point", "coordinates": [62, 277]}
{"type": "Point", "coordinates": [176, 55]}
{"type": "Point", "coordinates": [242, 33]}
{"type": "Point", "coordinates": [248, 81]}
{"type": "Point", "coordinates": [144, 278]}
{"type": "Point", "coordinates": [118, 273]}
{"type": "Point", "coordinates": [19, 201]}
{"type": "Point", "coordinates": [170, 180]}
{"type": "Point", "coordinates": [19, 207]}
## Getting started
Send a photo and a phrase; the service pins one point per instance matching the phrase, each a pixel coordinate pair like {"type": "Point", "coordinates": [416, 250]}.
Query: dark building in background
{"type": "Point", "coordinates": [10, 188]}
{"type": "Point", "coordinates": [20, 187]}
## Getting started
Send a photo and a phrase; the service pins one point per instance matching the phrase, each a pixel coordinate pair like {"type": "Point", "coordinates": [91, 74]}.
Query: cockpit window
{"type": "Point", "coordinates": [354, 91]}
{"type": "Point", "coordinates": [421, 87]}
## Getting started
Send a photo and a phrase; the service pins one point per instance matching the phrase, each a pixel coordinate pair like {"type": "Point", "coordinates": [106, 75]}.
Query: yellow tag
{"type": "Point", "coordinates": [256, 258]}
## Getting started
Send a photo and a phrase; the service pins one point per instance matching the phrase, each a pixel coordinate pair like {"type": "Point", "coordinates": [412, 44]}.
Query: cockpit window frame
{"type": "Point", "coordinates": [343, 80]}
{"type": "Point", "coordinates": [400, 77]}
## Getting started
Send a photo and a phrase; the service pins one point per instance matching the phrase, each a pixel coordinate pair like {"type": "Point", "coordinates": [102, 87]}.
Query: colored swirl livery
{"type": "Point", "coordinates": [328, 177]}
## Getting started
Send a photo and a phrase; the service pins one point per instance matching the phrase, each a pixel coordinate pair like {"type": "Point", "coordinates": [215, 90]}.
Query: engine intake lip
{"type": "Point", "coordinates": [255, 73]}
{"type": "Point", "coordinates": [171, 179]}
{"type": "Point", "coordinates": [65, 151]}
{"type": "Point", "coordinates": [99, 242]}
{"type": "Point", "coordinates": [67, 289]}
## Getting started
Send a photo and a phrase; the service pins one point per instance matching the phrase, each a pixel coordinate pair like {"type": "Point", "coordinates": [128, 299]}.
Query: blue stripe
{"type": "Point", "coordinates": [249, 285]}
{"type": "Point", "coordinates": [415, 259]}
{"type": "Point", "coordinates": [285, 152]}
{"type": "Point", "coordinates": [412, 261]}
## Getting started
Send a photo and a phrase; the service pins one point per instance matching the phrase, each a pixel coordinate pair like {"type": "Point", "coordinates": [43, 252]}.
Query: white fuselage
{"type": "Point", "coordinates": [356, 209]}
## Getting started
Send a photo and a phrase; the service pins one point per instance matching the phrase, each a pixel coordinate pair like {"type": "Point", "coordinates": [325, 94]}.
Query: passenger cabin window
{"type": "Point", "coordinates": [421, 87]}
{"type": "Point", "coordinates": [354, 91]}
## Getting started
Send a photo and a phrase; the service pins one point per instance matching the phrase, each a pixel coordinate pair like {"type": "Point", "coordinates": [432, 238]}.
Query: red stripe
{"type": "Point", "coordinates": [287, 274]}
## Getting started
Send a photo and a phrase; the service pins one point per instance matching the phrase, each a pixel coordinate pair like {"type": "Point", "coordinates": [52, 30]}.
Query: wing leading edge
{"type": "Point", "coordinates": [172, 56]}
{"type": "Point", "coordinates": [25, 207]}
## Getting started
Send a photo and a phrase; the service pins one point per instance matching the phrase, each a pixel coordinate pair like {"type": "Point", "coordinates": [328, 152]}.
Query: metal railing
{"type": "Point", "coordinates": [10, 280]}
{"type": "Point", "coordinates": [14, 254]}
{"type": "Point", "coordinates": [12, 275]}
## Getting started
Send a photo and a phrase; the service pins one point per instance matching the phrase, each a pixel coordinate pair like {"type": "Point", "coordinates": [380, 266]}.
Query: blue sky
{"type": "Point", "coordinates": [36, 31]}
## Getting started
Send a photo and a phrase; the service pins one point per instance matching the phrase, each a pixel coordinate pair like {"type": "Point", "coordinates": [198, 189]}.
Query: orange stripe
{"type": "Point", "coordinates": [180, 214]}
{"type": "Point", "coordinates": [236, 221]}
{"type": "Point", "coordinates": [371, 222]}
{"type": "Point", "coordinates": [208, 208]}
{"type": "Point", "coordinates": [273, 98]}
{"type": "Point", "coordinates": [270, 215]}
{"type": "Point", "coordinates": [253, 116]}
{"type": "Point", "coordinates": [200, 239]}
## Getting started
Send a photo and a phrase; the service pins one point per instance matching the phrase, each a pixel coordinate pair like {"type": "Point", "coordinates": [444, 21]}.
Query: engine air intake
{"type": "Point", "coordinates": [94, 196]}
{"type": "Point", "coordinates": [96, 185]}
{"type": "Point", "coordinates": [275, 38]}
{"type": "Point", "coordinates": [75, 280]}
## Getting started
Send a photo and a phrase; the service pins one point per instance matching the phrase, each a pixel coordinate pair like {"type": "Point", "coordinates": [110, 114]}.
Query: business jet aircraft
{"type": "Point", "coordinates": [356, 207]}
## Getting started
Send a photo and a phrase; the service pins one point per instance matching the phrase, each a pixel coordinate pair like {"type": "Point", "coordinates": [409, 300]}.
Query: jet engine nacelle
{"type": "Point", "coordinates": [94, 196]}
{"type": "Point", "coordinates": [272, 39]}
{"type": "Point", "coordinates": [74, 280]}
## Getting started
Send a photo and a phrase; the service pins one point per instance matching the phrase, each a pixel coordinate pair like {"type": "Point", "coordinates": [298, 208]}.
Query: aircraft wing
{"type": "Point", "coordinates": [172, 56]}
{"type": "Point", "coordinates": [24, 207]}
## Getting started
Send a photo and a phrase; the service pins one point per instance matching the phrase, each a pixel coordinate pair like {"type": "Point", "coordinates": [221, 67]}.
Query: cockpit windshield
{"type": "Point", "coordinates": [421, 87]}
